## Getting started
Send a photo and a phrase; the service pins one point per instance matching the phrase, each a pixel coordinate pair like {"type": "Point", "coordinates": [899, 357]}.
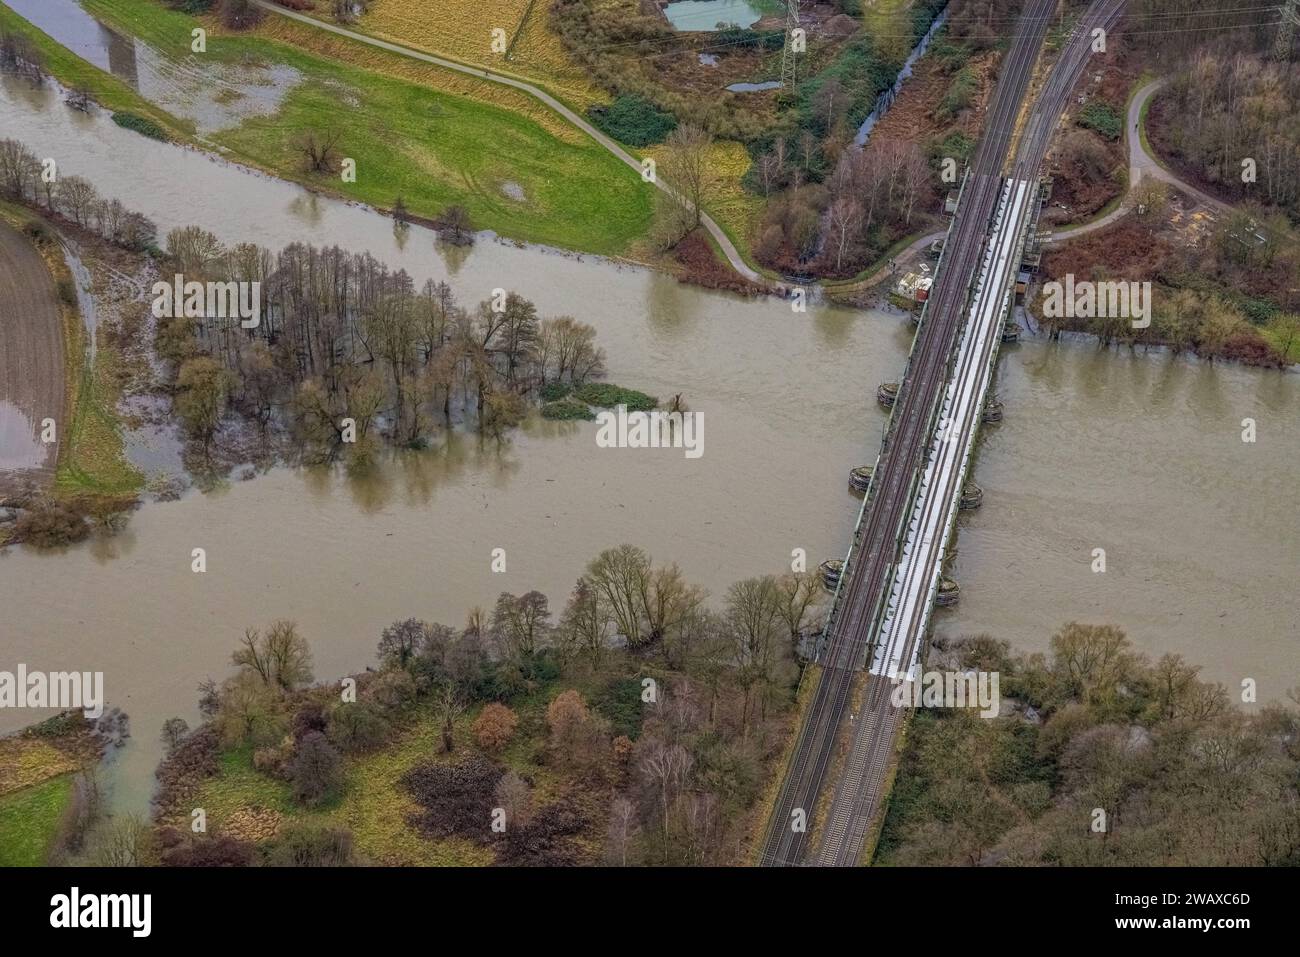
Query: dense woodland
{"type": "Point", "coordinates": [640, 725]}
{"type": "Point", "coordinates": [1182, 774]}
{"type": "Point", "coordinates": [1230, 107]}
{"type": "Point", "coordinates": [344, 337]}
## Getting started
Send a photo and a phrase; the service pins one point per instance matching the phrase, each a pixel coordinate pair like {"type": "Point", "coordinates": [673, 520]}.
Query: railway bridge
{"type": "Point", "coordinates": [876, 627]}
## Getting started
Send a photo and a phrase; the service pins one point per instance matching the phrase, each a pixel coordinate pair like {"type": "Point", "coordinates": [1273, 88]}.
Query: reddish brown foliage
{"type": "Point", "coordinates": [495, 726]}
{"type": "Point", "coordinates": [702, 267]}
{"type": "Point", "coordinates": [1128, 249]}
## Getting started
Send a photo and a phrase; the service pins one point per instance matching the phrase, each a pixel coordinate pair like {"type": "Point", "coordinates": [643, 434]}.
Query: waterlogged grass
{"type": "Point", "coordinates": [428, 134]}
{"type": "Point", "coordinates": [29, 821]}
{"type": "Point", "coordinates": [72, 71]}
{"type": "Point", "coordinates": [91, 458]}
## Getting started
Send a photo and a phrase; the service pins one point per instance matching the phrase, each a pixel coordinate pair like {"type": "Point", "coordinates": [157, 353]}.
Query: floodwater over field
{"type": "Point", "coordinates": [1140, 455]}
{"type": "Point", "coordinates": [213, 95]}
{"type": "Point", "coordinates": [345, 558]}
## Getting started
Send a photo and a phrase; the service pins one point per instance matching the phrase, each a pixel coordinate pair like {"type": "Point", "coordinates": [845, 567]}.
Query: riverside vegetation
{"type": "Point", "coordinates": [1182, 776]}
{"type": "Point", "coordinates": [640, 727]}
{"type": "Point", "coordinates": [347, 355]}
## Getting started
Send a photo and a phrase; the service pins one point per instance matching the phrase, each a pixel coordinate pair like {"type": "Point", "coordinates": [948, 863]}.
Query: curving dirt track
{"type": "Point", "coordinates": [31, 363]}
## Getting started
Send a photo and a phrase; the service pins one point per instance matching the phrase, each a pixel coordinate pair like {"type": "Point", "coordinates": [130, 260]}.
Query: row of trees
{"type": "Point", "coordinates": [25, 178]}
{"type": "Point", "coordinates": [1236, 107]}
{"type": "Point", "coordinates": [836, 227]}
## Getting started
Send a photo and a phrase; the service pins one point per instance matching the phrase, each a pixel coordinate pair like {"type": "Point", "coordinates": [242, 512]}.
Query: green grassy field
{"type": "Point", "coordinates": [29, 819]}
{"type": "Point", "coordinates": [433, 147]}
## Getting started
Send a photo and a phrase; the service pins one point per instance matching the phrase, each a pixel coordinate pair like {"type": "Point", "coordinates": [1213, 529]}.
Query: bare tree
{"type": "Point", "coordinates": [623, 828]}
{"type": "Point", "coordinates": [318, 150]}
{"type": "Point", "coordinates": [684, 170]}
{"type": "Point", "coordinates": [280, 658]}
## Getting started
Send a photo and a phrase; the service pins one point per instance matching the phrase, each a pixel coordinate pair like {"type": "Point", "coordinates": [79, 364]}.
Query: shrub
{"type": "Point", "coordinates": [956, 144]}
{"type": "Point", "coordinates": [633, 120]}
{"type": "Point", "coordinates": [566, 410]}
{"type": "Point", "coordinates": [144, 127]}
{"type": "Point", "coordinates": [51, 524]}
{"type": "Point", "coordinates": [620, 702]}
{"type": "Point", "coordinates": [393, 690]}
{"type": "Point", "coordinates": [273, 759]}
{"type": "Point", "coordinates": [495, 726]}
{"type": "Point", "coordinates": [555, 391]}
{"type": "Point", "coordinates": [609, 395]}
{"type": "Point", "coordinates": [38, 232]}
{"type": "Point", "coordinates": [310, 717]}
{"type": "Point", "coordinates": [579, 738]}
{"type": "Point", "coordinates": [356, 726]}
{"type": "Point", "coordinates": [316, 769]}
{"type": "Point", "coordinates": [174, 731]}
{"type": "Point", "coordinates": [1103, 118]}
{"type": "Point", "coordinates": [312, 845]}
{"type": "Point", "coordinates": [221, 850]}
{"type": "Point", "coordinates": [961, 92]}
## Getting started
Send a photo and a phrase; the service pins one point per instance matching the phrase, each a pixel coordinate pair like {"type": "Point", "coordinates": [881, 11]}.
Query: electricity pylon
{"type": "Point", "coordinates": [1286, 30]}
{"type": "Point", "coordinates": [787, 53]}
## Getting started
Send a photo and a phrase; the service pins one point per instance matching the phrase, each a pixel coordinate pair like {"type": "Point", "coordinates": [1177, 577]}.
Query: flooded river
{"type": "Point", "coordinates": [1140, 455]}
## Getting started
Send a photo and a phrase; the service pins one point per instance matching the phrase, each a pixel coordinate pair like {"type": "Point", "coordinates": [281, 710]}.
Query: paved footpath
{"type": "Point", "coordinates": [1140, 164]}
{"type": "Point", "coordinates": [719, 235]}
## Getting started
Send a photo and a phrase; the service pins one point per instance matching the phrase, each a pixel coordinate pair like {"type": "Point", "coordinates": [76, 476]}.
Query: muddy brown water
{"type": "Point", "coordinates": [1140, 455]}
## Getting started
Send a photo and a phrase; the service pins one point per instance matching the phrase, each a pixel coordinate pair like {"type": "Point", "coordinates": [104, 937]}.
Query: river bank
{"type": "Point", "coordinates": [1099, 448]}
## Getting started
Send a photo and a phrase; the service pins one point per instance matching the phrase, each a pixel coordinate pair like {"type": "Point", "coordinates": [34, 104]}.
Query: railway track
{"type": "Point", "coordinates": [890, 496]}
{"type": "Point", "coordinates": [861, 788]}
